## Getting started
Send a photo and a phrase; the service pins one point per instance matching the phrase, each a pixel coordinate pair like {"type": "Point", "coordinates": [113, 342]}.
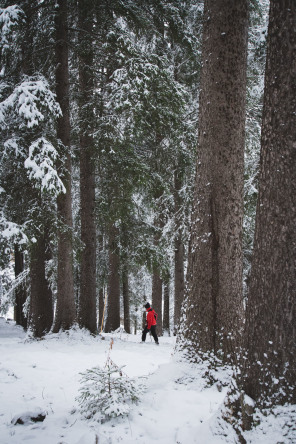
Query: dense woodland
{"type": "Point", "coordinates": [148, 153]}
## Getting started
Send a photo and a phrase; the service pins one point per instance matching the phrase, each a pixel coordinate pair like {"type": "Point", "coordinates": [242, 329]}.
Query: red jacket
{"type": "Point", "coordinates": [150, 317]}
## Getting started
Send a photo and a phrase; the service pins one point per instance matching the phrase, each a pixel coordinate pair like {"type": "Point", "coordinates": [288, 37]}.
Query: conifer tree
{"type": "Point", "coordinates": [65, 308]}
{"type": "Point", "coordinates": [213, 310]}
{"type": "Point", "coordinates": [269, 373]}
{"type": "Point", "coordinates": [87, 298]}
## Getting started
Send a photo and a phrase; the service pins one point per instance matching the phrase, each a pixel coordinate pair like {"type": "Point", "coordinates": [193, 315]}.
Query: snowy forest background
{"type": "Point", "coordinates": [103, 123]}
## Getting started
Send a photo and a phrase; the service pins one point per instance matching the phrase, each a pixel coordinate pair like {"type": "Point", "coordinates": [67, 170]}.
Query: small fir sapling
{"type": "Point", "coordinates": [107, 392]}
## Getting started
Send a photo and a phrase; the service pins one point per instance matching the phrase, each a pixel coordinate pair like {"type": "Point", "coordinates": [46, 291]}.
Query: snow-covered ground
{"type": "Point", "coordinates": [175, 408]}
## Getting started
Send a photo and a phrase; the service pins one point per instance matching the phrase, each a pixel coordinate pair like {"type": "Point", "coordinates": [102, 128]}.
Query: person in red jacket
{"type": "Point", "coordinates": [150, 324]}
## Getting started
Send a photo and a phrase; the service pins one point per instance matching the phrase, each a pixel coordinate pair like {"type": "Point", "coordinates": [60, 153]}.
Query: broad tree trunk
{"type": "Point", "coordinates": [179, 255]}
{"type": "Point", "coordinates": [271, 310]}
{"type": "Point", "coordinates": [65, 308]}
{"type": "Point", "coordinates": [87, 300]}
{"type": "Point", "coordinates": [113, 306]}
{"type": "Point", "coordinates": [214, 308]}
{"type": "Point", "coordinates": [20, 292]}
{"type": "Point", "coordinates": [41, 305]}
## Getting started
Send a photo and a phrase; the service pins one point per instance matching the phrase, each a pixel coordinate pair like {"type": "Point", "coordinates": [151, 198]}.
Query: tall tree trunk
{"type": "Point", "coordinates": [113, 307]}
{"type": "Point", "coordinates": [166, 306]}
{"type": "Point", "coordinates": [271, 308]}
{"type": "Point", "coordinates": [65, 309]}
{"type": "Point", "coordinates": [41, 305]}
{"type": "Point", "coordinates": [214, 307]}
{"type": "Point", "coordinates": [20, 292]}
{"type": "Point", "coordinates": [125, 295]}
{"type": "Point", "coordinates": [179, 254]}
{"type": "Point", "coordinates": [101, 309]}
{"type": "Point", "coordinates": [157, 298]}
{"type": "Point", "coordinates": [102, 285]}
{"type": "Point", "coordinates": [87, 301]}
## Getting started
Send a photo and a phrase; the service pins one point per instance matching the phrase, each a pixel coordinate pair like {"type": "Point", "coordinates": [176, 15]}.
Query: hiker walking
{"type": "Point", "coordinates": [150, 324]}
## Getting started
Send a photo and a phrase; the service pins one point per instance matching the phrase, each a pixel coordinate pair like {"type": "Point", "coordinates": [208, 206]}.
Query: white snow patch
{"type": "Point", "coordinates": [176, 407]}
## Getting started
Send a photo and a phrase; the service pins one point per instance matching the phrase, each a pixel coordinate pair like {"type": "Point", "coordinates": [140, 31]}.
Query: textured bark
{"type": "Point", "coordinates": [156, 274]}
{"type": "Point", "coordinates": [179, 256]}
{"type": "Point", "coordinates": [113, 305]}
{"type": "Point", "coordinates": [102, 285]}
{"type": "Point", "coordinates": [166, 307]}
{"type": "Point", "coordinates": [87, 300]}
{"type": "Point", "coordinates": [20, 292]}
{"type": "Point", "coordinates": [214, 305]}
{"type": "Point", "coordinates": [271, 309]}
{"type": "Point", "coordinates": [157, 298]}
{"type": "Point", "coordinates": [125, 295]}
{"type": "Point", "coordinates": [65, 308]}
{"type": "Point", "coordinates": [41, 305]}
{"type": "Point", "coordinates": [101, 308]}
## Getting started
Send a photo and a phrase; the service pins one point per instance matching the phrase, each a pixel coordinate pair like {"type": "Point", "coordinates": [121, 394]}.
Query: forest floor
{"type": "Point", "coordinates": [44, 376]}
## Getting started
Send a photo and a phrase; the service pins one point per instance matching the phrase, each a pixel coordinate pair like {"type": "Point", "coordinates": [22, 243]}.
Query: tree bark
{"type": "Point", "coordinates": [20, 292]}
{"type": "Point", "coordinates": [126, 302]}
{"type": "Point", "coordinates": [87, 300]}
{"type": "Point", "coordinates": [157, 298]}
{"type": "Point", "coordinates": [166, 307]}
{"type": "Point", "coordinates": [41, 305]}
{"type": "Point", "coordinates": [214, 307]}
{"type": "Point", "coordinates": [113, 306]}
{"type": "Point", "coordinates": [270, 373]}
{"type": "Point", "coordinates": [65, 308]}
{"type": "Point", "coordinates": [179, 255]}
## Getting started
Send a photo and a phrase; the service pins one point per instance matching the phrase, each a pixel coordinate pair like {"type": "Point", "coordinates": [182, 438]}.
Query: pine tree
{"type": "Point", "coordinates": [269, 376]}
{"type": "Point", "coordinates": [213, 312]}
{"type": "Point", "coordinates": [65, 308]}
{"type": "Point", "coordinates": [29, 108]}
{"type": "Point", "coordinates": [87, 299]}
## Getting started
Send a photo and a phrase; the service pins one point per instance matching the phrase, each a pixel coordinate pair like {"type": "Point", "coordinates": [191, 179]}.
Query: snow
{"type": "Point", "coordinates": [43, 376]}
{"type": "Point", "coordinates": [41, 163]}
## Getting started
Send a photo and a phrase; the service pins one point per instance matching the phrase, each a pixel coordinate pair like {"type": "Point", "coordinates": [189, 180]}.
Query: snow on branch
{"type": "Point", "coordinates": [32, 101]}
{"type": "Point", "coordinates": [11, 231]}
{"type": "Point", "coordinates": [41, 167]}
{"type": "Point", "coordinates": [9, 18]}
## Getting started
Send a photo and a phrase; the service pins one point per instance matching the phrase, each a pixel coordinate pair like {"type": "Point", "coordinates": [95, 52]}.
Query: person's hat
{"type": "Point", "coordinates": [147, 305]}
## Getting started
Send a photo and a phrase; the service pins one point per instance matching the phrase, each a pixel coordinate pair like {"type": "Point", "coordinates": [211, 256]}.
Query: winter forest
{"type": "Point", "coordinates": [147, 154]}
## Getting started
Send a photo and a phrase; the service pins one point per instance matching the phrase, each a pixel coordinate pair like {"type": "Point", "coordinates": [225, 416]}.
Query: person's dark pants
{"type": "Point", "coordinates": [153, 332]}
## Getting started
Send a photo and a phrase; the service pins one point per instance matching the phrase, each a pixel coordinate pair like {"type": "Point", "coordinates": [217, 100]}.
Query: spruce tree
{"type": "Point", "coordinates": [65, 307]}
{"type": "Point", "coordinates": [87, 297]}
{"type": "Point", "coordinates": [214, 310]}
{"type": "Point", "coordinates": [269, 373]}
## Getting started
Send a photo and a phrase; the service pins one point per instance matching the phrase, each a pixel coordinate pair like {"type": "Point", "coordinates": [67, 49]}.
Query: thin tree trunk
{"type": "Point", "coordinates": [65, 308]}
{"type": "Point", "coordinates": [157, 298]}
{"type": "Point", "coordinates": [101, 308]}
{"type": "Point", "coordinates": [270, 373]}
{"type": "Point", "coordinates": [126, 303]}
{"type": "Point", "coordinates": [41, 305]}
{"type": "Point", "coordinates": [113, 307]}
{"type": "Point", "coordinates": [20, 292]}
{"type": "Point", "coordinates": [87, 301]}
{"type": "Point", "coordinates": [166, 307]}
{"type": "Point", "coordinates": [102, 289]}
{"type": "Point", "coordinates": [214, 308]}
{"type": "Point", "coordinates": [179, 255]}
